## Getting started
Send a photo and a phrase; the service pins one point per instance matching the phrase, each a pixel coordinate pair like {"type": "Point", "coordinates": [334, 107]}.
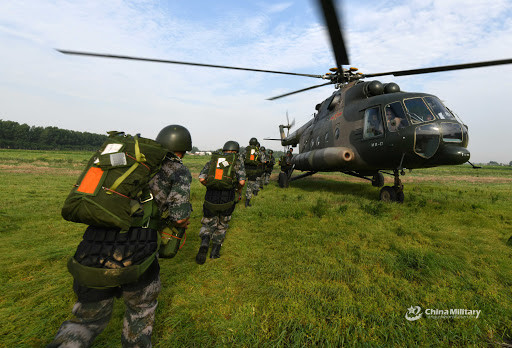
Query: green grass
{"type": "Point", "coordinates": [322, 263]}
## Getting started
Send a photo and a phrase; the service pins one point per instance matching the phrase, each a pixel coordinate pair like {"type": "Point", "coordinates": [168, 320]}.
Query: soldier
{"type": "Point", "coordinates": [98, 254]}
{"type": "Point", "coordinates": [252, 163]}
{"type": "Point", "coordinates": [269, 167]}
{"type": "Point", "coordinates": [224, 178]}
{"type": "Point", "coordinates": [286, 160]}
{"type": "Point", "coordinates": [264, 161]}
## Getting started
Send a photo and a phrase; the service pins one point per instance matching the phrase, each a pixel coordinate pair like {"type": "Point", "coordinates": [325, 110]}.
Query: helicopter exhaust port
{"type": "Point", "coordinates": [331, 158]}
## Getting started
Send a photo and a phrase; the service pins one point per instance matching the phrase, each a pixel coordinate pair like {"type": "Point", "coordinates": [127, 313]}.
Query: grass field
{"type": "Point", "coordinates": [322, 263]}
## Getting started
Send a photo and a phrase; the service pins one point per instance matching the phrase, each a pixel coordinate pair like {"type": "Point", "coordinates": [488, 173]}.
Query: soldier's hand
{"type": "Point", "coordinates": [182, 223]}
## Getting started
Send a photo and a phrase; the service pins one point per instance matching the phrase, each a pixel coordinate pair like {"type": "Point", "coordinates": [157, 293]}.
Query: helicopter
{"type": "Point", "coordinates": [365, 128]}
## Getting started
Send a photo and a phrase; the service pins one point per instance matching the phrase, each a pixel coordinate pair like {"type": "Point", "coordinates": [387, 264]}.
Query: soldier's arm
{"type": "Point", "coordinates": [240, 175]}
{"type": "Point", "coordinates": [204, 173]}
{"type": "Point", "coordinates": [171, 191]}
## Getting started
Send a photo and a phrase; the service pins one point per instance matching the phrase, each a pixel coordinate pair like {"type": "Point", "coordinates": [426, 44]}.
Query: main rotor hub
{"type": "Point", "coordinates": [342, 76]}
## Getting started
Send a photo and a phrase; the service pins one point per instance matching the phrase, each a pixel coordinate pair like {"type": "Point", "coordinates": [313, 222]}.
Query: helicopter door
{"type": "Point", "coordinates": [372, 145]}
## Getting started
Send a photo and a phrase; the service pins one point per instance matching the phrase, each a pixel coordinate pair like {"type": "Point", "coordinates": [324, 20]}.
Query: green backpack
{"type": "Point", "coordinates": [252, 156]}
{"type": "Point", "coordinates": [114, 185]}
{"type": "Point", "coordinates": [221, 174]}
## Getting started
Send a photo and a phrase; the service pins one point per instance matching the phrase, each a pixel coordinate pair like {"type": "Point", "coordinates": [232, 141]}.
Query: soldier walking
{"type": "Point", "coordinates": [269, 166]}
{"type": "Point", "coordinates": [252, 162]}
{"type": "Point", "coordinates": [111, 263]}
{"type": "Point", "coordinates": [224, 177]}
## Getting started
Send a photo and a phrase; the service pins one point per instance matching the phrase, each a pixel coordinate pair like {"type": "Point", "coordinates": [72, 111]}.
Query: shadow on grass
{"type": "Point", "coordinates": [362, 189]}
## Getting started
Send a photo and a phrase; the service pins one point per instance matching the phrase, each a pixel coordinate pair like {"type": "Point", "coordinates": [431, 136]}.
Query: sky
{"type": "Point", "coordinates": [42, 87]}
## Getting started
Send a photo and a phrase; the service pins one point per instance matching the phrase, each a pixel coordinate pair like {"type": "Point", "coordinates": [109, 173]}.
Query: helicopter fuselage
{"type": "Point", "coordinates": [366, 127]}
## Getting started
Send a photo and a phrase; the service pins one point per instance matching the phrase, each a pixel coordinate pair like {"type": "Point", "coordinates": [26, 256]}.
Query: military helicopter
{"type": "Point", "coordinates": [365, 128]}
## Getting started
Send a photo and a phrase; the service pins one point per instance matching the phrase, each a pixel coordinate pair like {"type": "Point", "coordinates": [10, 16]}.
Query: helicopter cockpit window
{"type": "Point", "coordinates": [418, 110]}
{"type": "Point", "coordinates": [438, 108]}
{"type": "Point", "coordinates": [337, 133]}
{"type": "Point", "coordinates": [373, 126]}
{"type": "Point", "coordinates": [395, 117]}
{"type": "Point", "coordinates": [326, 138]}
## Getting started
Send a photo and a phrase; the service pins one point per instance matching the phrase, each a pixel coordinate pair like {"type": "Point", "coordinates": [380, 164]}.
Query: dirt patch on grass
{"type": "Point", "coordinates": [34, 169]}
{"type": "Point", "coordinates": [425, 178]}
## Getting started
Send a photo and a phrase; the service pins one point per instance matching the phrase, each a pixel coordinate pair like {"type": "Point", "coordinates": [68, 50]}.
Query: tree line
{"type": "Point", "coordinates": [22, 136]}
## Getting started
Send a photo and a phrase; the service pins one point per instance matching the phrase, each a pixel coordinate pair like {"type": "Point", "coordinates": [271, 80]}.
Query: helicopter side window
{"type": "Point", "coordinates": [337, 133]}
{"type": "Point", "coordinates": [438, 108]}
{"type": "Point", "coordinates": [418, 111]}
{"type": "Point", "coordinates": [318, 141]}
{"type": "Point", "coordinates": [373, 126]}
{"type": "Point", "coordinates": [395, 117]}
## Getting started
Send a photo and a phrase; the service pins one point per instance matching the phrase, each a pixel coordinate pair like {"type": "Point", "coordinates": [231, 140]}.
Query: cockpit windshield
{"type": "Point", "coordinates": [418, 110]}
{"type": "Point", "coordinates": [438, 108]}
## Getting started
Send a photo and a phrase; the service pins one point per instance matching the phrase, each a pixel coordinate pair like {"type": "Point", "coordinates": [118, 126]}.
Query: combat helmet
{"type": "Point", "coordinates": [175, 138]}
{"type": "Point", "coordinates": [231, 145]}
{"type": "Point", "coordinates": [253, 141]}
{"type": "Point", "coordinates": [262, 148]}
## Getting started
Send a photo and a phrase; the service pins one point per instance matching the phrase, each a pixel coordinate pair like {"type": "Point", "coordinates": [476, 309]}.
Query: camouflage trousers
{"type": "Point", "coordinates": [91, 318]}
{"type": "Point", "coordinates": [261, 179]}
{"type": "Point", "coordinates": [252, 187]}
{"type": "Point", "coordinates": [266, 178]}
{"type": "Point", "coordinates": [215, 227]}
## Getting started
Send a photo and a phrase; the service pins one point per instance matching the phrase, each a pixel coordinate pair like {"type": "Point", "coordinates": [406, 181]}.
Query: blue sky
{"type": "Point", "coordinates": [43, 87]}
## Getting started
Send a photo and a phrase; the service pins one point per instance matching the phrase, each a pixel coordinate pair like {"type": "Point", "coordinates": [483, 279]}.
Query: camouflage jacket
{"type": "Point", "coordinates": [171, 188]}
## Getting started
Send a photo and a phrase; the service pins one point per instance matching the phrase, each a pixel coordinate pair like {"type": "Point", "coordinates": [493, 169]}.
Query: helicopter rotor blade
{"type": "Point", "coordinates": [300, 90]}
{"type": "Point", "coordinates": [333, 24]}
{"type": "Point", "coordinates": [115, 56]}
{"type": "Point", "coordinates": [442, 68]}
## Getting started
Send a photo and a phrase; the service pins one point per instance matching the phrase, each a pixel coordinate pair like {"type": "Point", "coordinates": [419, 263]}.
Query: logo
{"type": "Point", "coordinates": [413, 313]}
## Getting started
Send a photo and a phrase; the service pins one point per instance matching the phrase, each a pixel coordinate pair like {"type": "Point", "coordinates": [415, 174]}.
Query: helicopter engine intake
{"type": "Point", "coordinates": [327, 159]}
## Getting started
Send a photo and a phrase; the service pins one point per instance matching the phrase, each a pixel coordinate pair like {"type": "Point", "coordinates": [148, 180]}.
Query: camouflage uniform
{"type": "Point", "coordinates": [261, 178]}
{"type": "Point", "coordinates": [103, 247]}
{"type": "Point", "coordinates": [271, 161]}
{"type": "Point", "coordinates": [215, 224]}
{"type": "Point", "coordinates": [253, 181]}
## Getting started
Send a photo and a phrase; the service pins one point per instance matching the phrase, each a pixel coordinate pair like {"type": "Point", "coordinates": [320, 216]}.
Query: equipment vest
{"type": "Point", "coordinates": [221, 174]}
{"type": "Point", "coordinates": [252, 155]}
{"type": "Point", "coordinates": [113, 191]}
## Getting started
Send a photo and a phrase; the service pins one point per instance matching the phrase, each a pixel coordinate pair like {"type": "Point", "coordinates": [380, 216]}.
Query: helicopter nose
{"type": "Point", "coordinates": [452, 154]}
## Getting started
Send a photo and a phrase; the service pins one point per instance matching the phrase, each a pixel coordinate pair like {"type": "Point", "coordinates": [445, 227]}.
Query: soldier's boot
{"type": "Point", "coordinates": [215, 253]}
{"type": "Point", "coordinates": [248, 202]}
{"type": "Point", "coordinates": [203, 250]}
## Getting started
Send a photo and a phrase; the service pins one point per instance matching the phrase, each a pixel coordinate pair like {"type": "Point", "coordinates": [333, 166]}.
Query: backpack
{"type": "Point", "coordinates": [252, 155]}
{"type": "Point", "coordinates": [221, 174]}
{"type": "Point", "coordinates": [113, 190]}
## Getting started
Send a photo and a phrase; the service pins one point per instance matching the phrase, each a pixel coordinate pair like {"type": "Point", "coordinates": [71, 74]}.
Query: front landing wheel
{"type": "Point", "coordinates": [388, 194]}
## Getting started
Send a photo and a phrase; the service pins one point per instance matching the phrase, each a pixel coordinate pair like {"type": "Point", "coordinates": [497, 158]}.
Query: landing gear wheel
{"type": "Point", "coordinates": [388, 194]}
{"type": "Point", "coordinates": [378, 180]}
{"type": "Point", "coordinates": [283, 180]}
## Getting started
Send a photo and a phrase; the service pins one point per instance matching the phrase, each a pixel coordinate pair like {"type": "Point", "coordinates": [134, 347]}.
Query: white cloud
{"type": "Point", "coordinates": [43, 87]}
